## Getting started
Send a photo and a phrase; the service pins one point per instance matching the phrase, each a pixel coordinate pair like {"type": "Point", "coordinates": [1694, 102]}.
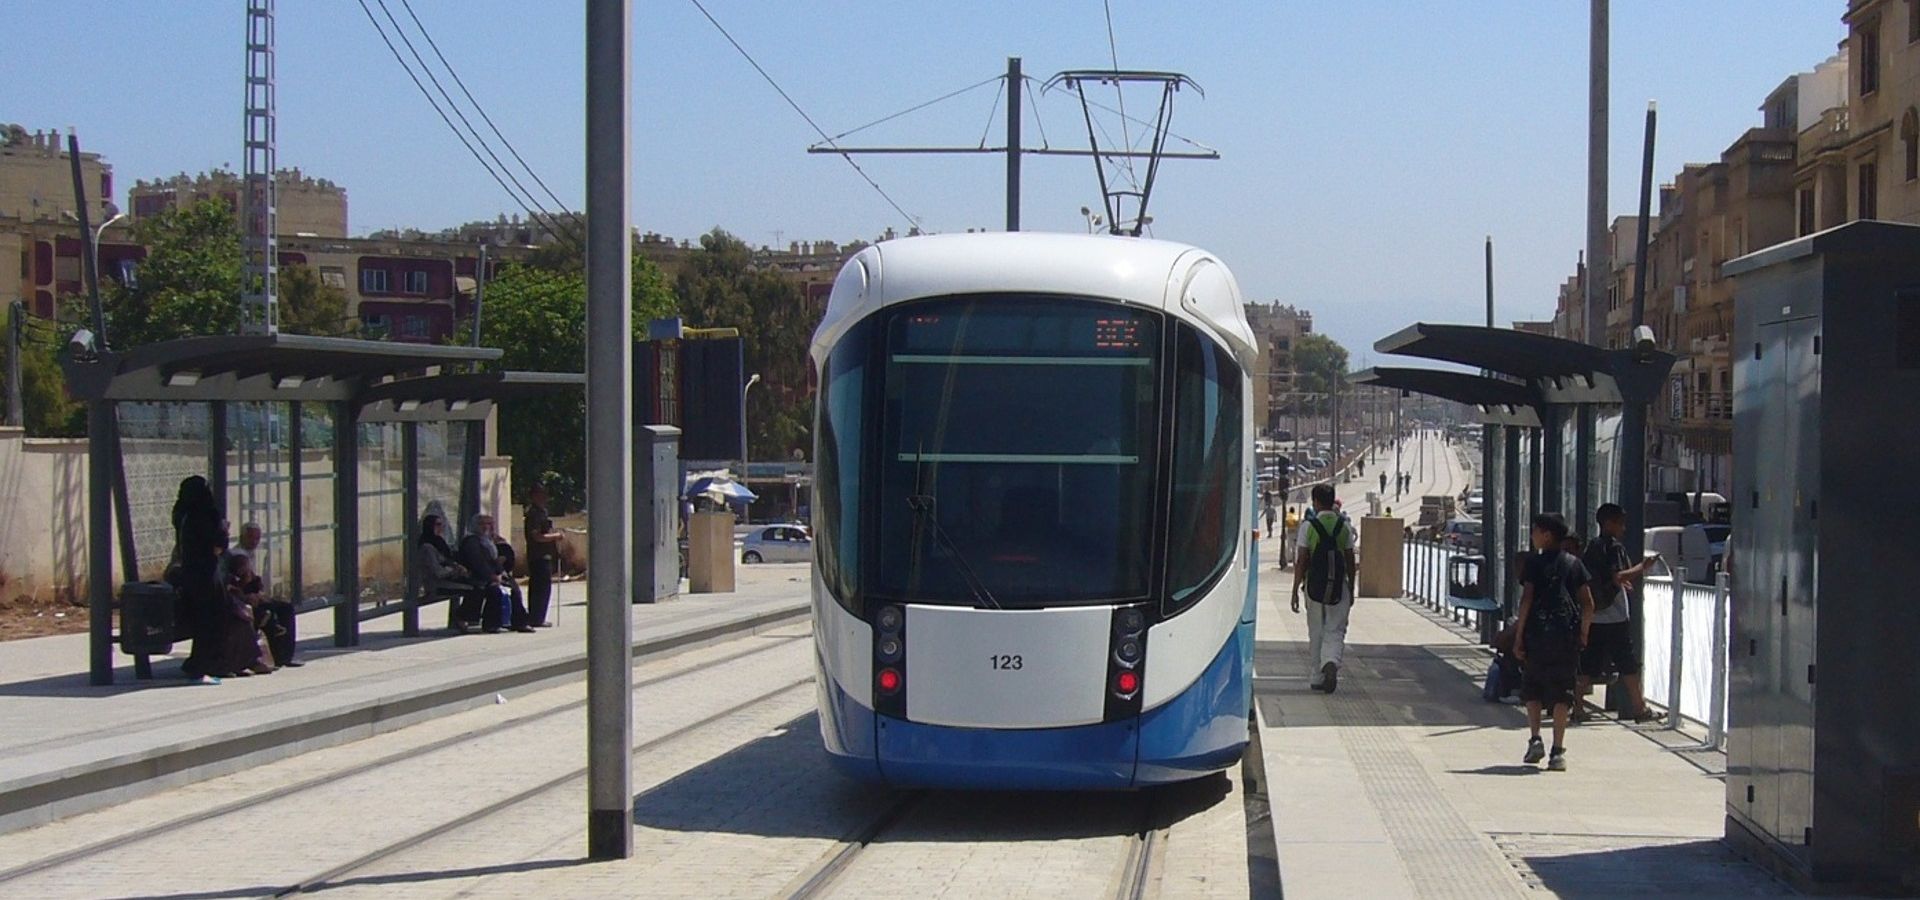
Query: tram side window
{"type": "Point", "coordinates": [1207, 451]}
{"type": "Point", "coordinates": [837, 475]}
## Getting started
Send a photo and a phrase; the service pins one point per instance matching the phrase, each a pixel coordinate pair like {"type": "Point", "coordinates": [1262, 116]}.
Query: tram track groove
{"type": "Point", "coordinates": [326, 779]}
{"type": "Point", "coordinates": [1146, 851]}
{"type": "Point", "coordinates": [819, 877]}
{"type": "Point", "coordinates": [320, 881]}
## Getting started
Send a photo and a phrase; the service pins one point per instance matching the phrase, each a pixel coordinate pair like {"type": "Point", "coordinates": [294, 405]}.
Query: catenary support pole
{"type": "Point", "coordinates": [1599, 263]}
{"type": "Point", "coordinates": [1633, 409]}
{"type": "Point", "coordinates": [16, 338]}
{"type": "Point", "coordinates": [1014, 84]}
{"type": "Point", "coordinates": [609, 431]}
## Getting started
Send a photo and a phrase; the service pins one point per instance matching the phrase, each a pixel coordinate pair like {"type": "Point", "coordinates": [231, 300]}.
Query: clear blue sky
{"type": "Point", "coordinates": [1368, 145]}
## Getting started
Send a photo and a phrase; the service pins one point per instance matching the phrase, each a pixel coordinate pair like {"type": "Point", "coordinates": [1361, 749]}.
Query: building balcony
{"type": "Point", "coordinates": [1708, 407]}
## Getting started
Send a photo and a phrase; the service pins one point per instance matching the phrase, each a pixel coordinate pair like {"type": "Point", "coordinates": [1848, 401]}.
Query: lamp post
{"type": "Point", "coordinates": [744, 390]}
{"type": "Point", "coordinates": [1094, 220]}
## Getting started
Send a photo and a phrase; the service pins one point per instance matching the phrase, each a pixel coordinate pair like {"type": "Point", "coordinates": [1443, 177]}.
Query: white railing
{"type": "Point", "coordinates": [1685, 658]}
{"type": "Point", "coordinates": [1423, 577]}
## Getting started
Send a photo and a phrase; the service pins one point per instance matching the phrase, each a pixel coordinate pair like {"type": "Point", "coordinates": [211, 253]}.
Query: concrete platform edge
{"type": "Point", "coordinates": [93, 784]}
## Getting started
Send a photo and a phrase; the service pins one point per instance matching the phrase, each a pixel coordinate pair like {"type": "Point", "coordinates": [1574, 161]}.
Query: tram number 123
{"type": "Point", "coordinates": [1004, 661]}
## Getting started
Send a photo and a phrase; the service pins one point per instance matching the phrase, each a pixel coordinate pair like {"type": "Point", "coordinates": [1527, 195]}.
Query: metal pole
{"type": "Point", "coordinates": [479, 294]}
{"type": "Point", "coordinates": [100, 434]}
{"type": "Point", "coordinates": [1675, 646]}
{"type": "Point", "coordinates": [1716, 698]}
{"type": "Point", "coordinates": [88, 258]}
{"type": "Point", "coordinates": [1598, 261]}
{"type": "Point", "coordinates": [1398, 447]}
{"type": "Point", "coordinates": [1489, 281]}
{"type": "Point", "coordinates": [1646, 215]}
{"type": "Point", "coordinates": [1014, 84]}
{"type": "Point", "coordinates": [296, 519]}
{"type": "Point", "coordinates": [609, 431]}
{"type": "Point", "coordinates": [16, 332]}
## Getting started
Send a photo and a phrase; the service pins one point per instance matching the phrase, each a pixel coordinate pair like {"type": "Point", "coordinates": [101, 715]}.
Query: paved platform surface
{"type": "Point", "coordinates": [67, 746]}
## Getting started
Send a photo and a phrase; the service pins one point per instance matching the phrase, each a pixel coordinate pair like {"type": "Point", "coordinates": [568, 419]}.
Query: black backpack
{"type": "Point", "coordinates": [1327, 568]}
{"type": "Point", "coordinates": [1554, 611]}
{"type": "Point", "coordinates": [1599, 560]}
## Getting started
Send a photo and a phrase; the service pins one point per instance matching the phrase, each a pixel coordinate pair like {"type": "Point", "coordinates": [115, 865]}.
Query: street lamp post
{"type": "Point", "coordinates": [743, 440]}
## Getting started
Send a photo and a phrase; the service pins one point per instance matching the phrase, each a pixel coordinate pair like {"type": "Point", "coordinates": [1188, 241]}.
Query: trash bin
{"type": "Point", "coordinates": [146, 618]}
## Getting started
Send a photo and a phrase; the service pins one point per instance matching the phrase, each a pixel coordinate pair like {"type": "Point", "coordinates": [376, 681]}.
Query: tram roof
{"type": "Point", "coordinates": [1140, 271]}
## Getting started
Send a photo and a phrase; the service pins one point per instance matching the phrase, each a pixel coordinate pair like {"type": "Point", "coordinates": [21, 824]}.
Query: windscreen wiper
{"type": "Point", "coordinates": [922, 506]}
{"type": "Point", "coordinates": [924, 515]}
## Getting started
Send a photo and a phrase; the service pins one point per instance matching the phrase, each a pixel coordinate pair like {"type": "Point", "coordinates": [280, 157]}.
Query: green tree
{"type": "Point", "coordinates": [1321, 362]}
{"type": "Point", "coordinates": [537, 317]}
{"type": "Point", "coordinates": [49, 412]}
{"type": "Point", "coordinates": [189, 284]}
{"type": "Point", "coordinates": [720, 287]}
{"type": "Point", "coordinates": [310, 306]}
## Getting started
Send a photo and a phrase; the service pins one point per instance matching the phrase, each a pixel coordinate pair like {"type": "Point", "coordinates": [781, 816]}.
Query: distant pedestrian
{"type": "Point", "coordinates": [1556, 611]}
{"type": "Point", "coordinates": [1268, 512]}
{"type": "Point", "coordinates": [199, 540]}
{"type": "Point", "coordinates": [1611, 642]}
{"type": "Point", "coordinates": [1325, 568]}
{"type": "Point", "coordinates": [543, 555]}
{"type": "Point", "coordinates": [1383, 483]}
{"type": "Point", "coordinates": [1289, 527]}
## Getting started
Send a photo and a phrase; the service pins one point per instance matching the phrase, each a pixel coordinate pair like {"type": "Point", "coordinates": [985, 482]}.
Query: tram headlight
{"type": "Point", "coordinates": [1127, 651]}
{"type": "Point", "coordinates": [1130, 622]}
{"type": "Point", "coordinates": [889, 649]}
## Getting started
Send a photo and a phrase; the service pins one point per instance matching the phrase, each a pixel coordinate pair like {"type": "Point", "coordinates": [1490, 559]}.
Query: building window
{"type": "Point", "coordinates": [416, 282]}
{"type": "Point", "coordinates": [333, 276]}
{"type": "Point", "coordinates": [1869, 191]}
{"type": "Point", "coordinates": [376, 326]}
{"type": "Point", "coordinates": [1913, 21]}
{"type": "Point", "coordinates": [1910, 142]}
{"type": "Point", "coordinates": [1869, 57]}
{"type": "Point", "coordinates": [373, 281]}
{"type": "Point", "coordinates": [127, 269]}
{"type": "Point", "coordinates": [1806, 211]}
{"type": "Point", "coordinates": [413, 326]}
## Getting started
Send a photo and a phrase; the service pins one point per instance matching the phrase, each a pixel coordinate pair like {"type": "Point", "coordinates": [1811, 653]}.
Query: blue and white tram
{"type": "Point", "coordinates": [1033, 511]}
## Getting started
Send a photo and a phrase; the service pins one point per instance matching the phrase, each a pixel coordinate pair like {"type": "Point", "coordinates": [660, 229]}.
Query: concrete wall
{"type": "Point", "coordinates": [43, 528]}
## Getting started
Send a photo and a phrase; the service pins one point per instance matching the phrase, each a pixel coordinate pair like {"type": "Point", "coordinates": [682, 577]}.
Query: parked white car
{"type": "Point", "coordinates": [777, 543]}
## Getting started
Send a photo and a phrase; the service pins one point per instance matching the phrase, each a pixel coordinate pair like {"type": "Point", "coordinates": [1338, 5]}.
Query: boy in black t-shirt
{"type": "Point", "coordinates": [1556, 609]}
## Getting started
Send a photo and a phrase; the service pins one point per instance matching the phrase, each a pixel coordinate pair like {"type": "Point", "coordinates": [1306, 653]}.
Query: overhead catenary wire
{"type": "Point", "coordinates": [544, 221]}
{"type": "Point", "coordinates": [462, 116]}
{"type": "Point", "coordinates": [1119, 93]}
{"type": "Point", "coordinates": [911, 221]}
{"type": "Point", "coordinates": [406, 4]}
{"type": "Point", "coordinates": [992, 113]}
{"type": "Point", "coordinates": [920, 106]}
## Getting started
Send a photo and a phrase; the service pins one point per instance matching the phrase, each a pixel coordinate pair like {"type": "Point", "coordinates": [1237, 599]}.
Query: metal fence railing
{"type": "Point", "coordinates": [1426, 576]}
{"type": "Point", "coordinates": [1685, 656]}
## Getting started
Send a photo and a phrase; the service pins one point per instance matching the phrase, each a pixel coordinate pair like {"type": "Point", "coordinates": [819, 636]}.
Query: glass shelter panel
{"type": "Point", "coordinates": [383, 514]}
{"type": "Point", "coordinates": [161, 444]}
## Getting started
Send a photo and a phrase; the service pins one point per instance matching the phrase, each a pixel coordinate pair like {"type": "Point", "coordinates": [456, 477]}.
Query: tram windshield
{"type": "Point", "coordinates": [1018, 450]}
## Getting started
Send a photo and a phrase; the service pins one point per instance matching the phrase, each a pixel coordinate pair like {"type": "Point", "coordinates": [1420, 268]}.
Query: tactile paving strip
{"type": "Point", "coordinates": [1443, 855]}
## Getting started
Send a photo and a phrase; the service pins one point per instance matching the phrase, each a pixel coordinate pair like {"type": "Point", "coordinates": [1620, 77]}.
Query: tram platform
{"type": "Point", "coordinates": [1405, 783]}
{"type": "Point", "coordinates": [67, 747]}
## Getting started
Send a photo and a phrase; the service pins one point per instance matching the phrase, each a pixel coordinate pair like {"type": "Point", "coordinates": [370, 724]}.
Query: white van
{"type": "Point", "coordinates": [1685, 545]}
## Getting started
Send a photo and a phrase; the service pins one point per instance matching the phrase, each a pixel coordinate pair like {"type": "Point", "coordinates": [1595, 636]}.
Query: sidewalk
{"type": "Point", "coordinates": [66, 746]}
{"type": "Point", "coordinates": [1405, 783]}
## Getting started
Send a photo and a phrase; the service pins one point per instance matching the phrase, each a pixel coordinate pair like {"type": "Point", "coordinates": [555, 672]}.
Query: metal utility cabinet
{"type": "Point", "coordinates": [1823, 762]}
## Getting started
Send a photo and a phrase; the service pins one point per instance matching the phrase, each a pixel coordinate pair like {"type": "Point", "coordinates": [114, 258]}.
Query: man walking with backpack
{"type": "Point", "coordinates": [1325, 567]}
{"type": "Point", "coordinates": [1556, 611]}
{"type": "Point", "coordinates": [1611, 641]}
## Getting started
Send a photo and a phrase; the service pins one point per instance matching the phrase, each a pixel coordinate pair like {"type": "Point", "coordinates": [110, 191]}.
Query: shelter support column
{"type": "Point", "coordinates": [1551, 478]}
{"type": "Point", "coordinates": [100, 457]}
{"type": "Point", "coordinates": [1582, 467]}
{"type": "Point", "coordinates": [346, 517]}
{"type": "Point", "coordinates": [1510, 505]}
{"type": "Point", "coordinates": [410, 501]}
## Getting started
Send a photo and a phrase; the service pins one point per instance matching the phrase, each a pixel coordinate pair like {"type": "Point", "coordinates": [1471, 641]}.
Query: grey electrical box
{"type": "Point", "coordinates": [656, 512]}
{"type": "Point", "coordinates": [1824, 737]}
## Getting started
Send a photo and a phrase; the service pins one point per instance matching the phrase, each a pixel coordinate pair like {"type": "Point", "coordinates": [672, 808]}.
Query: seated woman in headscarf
{"type": "Point", "coordinates": [441, 572]}
{"type": "Point", "coordinates": [481, 555]}
{"type": "Point", "coordinates": [199, 540]}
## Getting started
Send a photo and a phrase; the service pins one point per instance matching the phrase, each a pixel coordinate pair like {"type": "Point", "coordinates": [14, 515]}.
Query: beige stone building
{"type": "Point", "coordinates": [1869, 157]}
{"type": "Point", "coordinates": [303, 205]}
{"type": "Point", "coordinates": [1276, 327]}
{"type": "Point", "coordinates": [36, 177]}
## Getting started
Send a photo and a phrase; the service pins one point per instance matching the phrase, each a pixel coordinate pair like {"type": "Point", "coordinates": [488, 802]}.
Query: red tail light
{"type": "Point", "coordinates": [1126, 683]}
{"type": "Point", "coordinates": [889, 680]}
